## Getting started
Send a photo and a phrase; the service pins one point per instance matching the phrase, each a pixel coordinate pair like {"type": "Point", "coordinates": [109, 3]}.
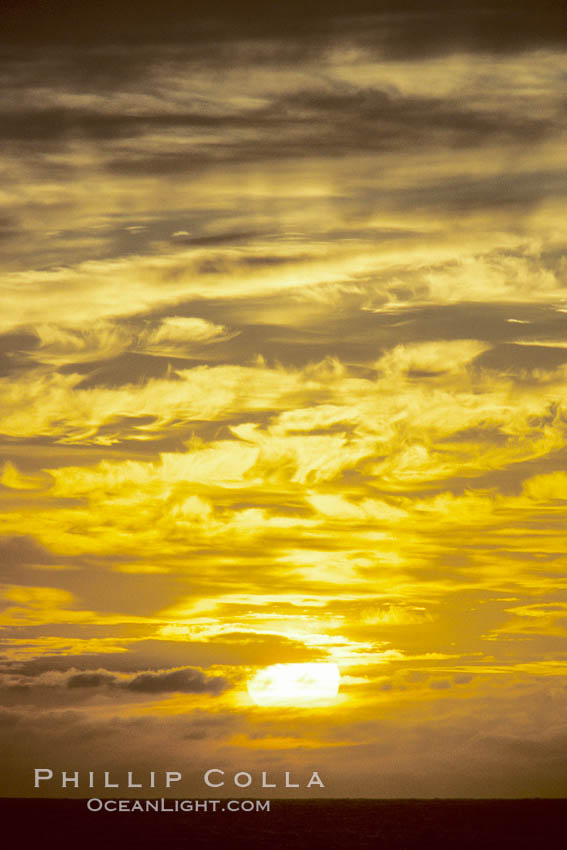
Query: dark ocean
{"type": "Point", "coordinates": [392, 824]}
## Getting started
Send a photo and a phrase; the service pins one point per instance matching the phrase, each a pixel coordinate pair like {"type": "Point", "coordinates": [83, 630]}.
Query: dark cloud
{"type": "Point", "coordinates": [149, 655]}
{"type": "Point", "coordinates": [334, 122]}
{"type": "Point", "coordinates": [22, 550]}
{"type": "Point", "coordinates": [522, 359]}
{"type": "Point", "coordinates": [59, 123]}
{"type": "Point", "coordinates": [8, 228]}
{"type": "Point", "coordinates": [49, 737]}
{"type": "Point", "coordinates": [486, 434]}
{"type": "Point", "coordinates": [271, 260]}
{"type": "Point", "coordinates": [374, 119]}
{"type": "Point", "coordinates": [90, 680]}
{"type": "Point", "coordinates": [13, 350]}
{"type": "Point", "coordinates": [18, 341]}
{"type": "Point", "coordinates": [187, 680]}
{"type": "Point", "coordinates": [184, 681]}
{"type": "Point", "coordinates": [162, 163]}
{"type": "Point", "coordinates": [11, 364]}
{"type": "Point", "coordinates": [505, 192]}
{"type": "Point", "coordinates": [396, 27]}
{"type": "Point", "coordinates": [411, 125]}
{"type": "Point", "coordinates": [127, 368]}
{"type": "Point", "coordinates": [352, 119]}
{"type": "Point", "coordinates": [415, 30]}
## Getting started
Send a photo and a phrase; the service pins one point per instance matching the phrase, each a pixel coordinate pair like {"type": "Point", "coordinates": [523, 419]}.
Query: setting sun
{"type": "Point", "coordinates": [292, 684]}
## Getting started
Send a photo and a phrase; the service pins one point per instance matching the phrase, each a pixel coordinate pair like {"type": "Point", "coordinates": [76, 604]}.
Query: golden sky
{"type": "Point", "coordinates": [283, 367]}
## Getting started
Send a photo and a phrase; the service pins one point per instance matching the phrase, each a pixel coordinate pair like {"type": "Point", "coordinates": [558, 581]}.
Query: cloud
{"type": "Point", "coordinates": [283, 376]}
{"type": "Point", "coordinates": [126, 368]}
{"type": "Point", "coordinates": [351, 120]}
{"type": "Point", "coordinates": [24, 550]}
{"type": "Point", "coordinates": [547, 487]}
{"type": "Point", "coordinates": [523, 360]}
{"type": "Point", "coordinates": [479, 746]}
{"type": "Point", "coordinates": [408, 28]}
{"type": "Point", "coordinates": [90, 680]}
{"type": "Point", "coordinates": [230, 237]}
{"type": "Point", "coordinates": [13, 478]}
{"type": "Point", "coordinates": [187, 680]}
{"type": "Point", "coordinates": [182, 335]}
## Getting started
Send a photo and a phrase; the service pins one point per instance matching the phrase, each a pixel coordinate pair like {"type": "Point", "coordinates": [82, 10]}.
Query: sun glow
{"type": "Point", "coordinates": [295, 684]}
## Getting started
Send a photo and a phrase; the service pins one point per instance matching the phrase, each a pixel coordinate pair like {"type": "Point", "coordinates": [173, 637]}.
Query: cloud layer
{"type": "Point", "coordinates": [283, 364]}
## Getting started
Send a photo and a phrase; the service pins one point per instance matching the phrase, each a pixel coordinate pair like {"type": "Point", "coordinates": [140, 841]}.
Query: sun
{"type": "Point", "coordinates": [295, 684]}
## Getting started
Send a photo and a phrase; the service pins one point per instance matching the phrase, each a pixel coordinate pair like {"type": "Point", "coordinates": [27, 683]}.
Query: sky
{"type": "Point", "coordinates": [283, 368]}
